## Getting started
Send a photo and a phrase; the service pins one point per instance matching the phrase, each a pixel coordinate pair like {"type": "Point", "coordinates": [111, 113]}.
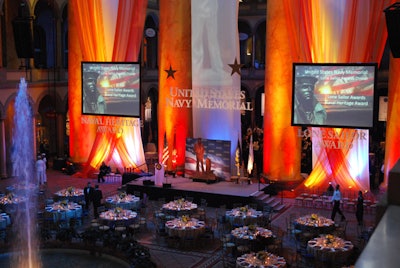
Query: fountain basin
{"type": "Point", "coordinates": [63, 258]}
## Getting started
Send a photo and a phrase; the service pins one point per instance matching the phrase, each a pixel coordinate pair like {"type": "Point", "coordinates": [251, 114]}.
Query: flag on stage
{"type": "Point", "coordinates": [165, 153]}
{"type": "Point", "coordinates": [238, 157]}
{"type": "Point", "coordinates": [250, 162]}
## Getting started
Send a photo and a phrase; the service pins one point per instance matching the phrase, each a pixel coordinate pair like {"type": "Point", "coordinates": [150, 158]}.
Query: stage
{"type": "Point", "coordinates": [218, 193]}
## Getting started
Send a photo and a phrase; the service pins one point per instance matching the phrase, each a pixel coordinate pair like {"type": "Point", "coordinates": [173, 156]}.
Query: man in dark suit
{"type": "Point", "coordinates": [88, 192]}
{"type": "Point", "coordinates": [97, 196]}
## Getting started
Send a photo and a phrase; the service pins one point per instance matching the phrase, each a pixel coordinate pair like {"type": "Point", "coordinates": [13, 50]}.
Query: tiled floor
{"type": "Point", "coordinates": [207, 254]}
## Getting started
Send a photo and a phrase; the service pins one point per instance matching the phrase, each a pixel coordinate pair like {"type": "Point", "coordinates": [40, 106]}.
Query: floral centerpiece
{"type": "Point", "coordinates": [118, 210]}
{"type": "Point", "coordinates": [262, 255]}
{"type": "Point", "coordinates": [185, 218]}
{"type": "Point", "coordinates": [244, 209]}
{"type": "Point", "coordinates": [314, 217]}
{"type": "Point", "coordinates": [329, 239]}
{"type": "Point", "coordinates": [70, 190]}
{"type": "Point", "coordinates": [122, 195]}
{"type": "Point", "coordinates": [64, 203]}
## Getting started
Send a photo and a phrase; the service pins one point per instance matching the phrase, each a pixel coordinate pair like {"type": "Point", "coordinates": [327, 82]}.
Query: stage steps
{"type": "Point", "coordinates": [272, 201]}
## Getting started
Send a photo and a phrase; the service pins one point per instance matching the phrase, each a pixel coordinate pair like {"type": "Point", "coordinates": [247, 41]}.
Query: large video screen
{"type": "Point", "coordinates": [333, 95]}
{"type": "Point", "coordinates": [111, 88]}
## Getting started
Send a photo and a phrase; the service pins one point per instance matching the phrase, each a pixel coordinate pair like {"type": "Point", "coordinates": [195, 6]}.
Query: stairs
{"type": "Point", "coordinates": [265, 199]}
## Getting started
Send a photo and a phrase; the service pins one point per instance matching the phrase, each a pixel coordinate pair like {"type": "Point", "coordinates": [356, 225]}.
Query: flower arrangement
{"type": "Point", "coordinates": [252, 227]}
{"type": "Point", "coordinates": [329, 238]}
{"type": "Point", "coordinates": [64, 202]}
{"type": "Point", "coordinates": [185, 218]}
{"type": "Point", "coordinates": [244, 209]}
{"type": "Point", "coordinates": [10, 196]}
{"type": "Point", "coordinates": [122, 195]}
{"type": "Point", "coordinates": [117, 210]}
{"type": "Point", "coordinates": [70, 190]}
{"type": "Point", "coordinates": [262, 255]}
{"type": "Point", "coordinates": [314, 217]}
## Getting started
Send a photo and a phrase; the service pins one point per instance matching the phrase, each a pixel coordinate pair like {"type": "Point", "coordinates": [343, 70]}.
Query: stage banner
{"type": "Point", "coordinates": [216, 73]}
{"type": "Point", "coordinates": [207, 157]}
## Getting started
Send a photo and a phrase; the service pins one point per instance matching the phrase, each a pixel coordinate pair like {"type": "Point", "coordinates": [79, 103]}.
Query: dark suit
{"type": "Point", "coordinates": [97, 196]}
{"type": "Point", "coordinates": [88, 192]}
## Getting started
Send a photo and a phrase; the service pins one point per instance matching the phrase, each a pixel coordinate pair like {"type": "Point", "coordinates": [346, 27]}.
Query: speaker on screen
{"type": "Point", "coordinates": [23, 37]}
{"type": "Point", "coordinates": [392, 14]}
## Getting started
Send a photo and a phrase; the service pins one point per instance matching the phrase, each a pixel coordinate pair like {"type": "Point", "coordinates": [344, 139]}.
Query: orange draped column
{"type": "Point", "coordinates": [281, 143]}
{"type": "Point", "coordinates": [175, 76]}
{"type": "Point", "coordinates": [392, 145]}
{"type": "Point", "coordinates": [79, 148]}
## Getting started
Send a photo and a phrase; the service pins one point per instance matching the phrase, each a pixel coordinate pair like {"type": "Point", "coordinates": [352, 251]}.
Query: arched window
{"type": "Point", "coordinates": [44, 35]}
{"type": "Point", "coordinates": [246, 44]}
{"type": "Point", "coordinates": [259, 47]}
{"type": "Point", "coordinates": [150, 43]}
{"type": "Point", "coordinates": [64, 37]}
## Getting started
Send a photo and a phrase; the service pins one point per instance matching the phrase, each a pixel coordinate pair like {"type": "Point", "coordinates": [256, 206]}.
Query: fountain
{"type": "Point", "coordinates": [24, 224]}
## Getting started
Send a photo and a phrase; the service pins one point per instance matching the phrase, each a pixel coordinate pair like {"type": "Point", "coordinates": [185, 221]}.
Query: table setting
{"type": "Point", "coordinates": [314, 223]}
{"type": "Point", "coordinates": [123, 200]}
{"type": "Point", "coordinates": [71, 194]}
{"type": "Point", "coordinates": [260, 259]}
{"type": "Point", "coordinates": [118, 215]}
{"type": "Point", "coordinates": [185, 226]}
{"type": "Point", "coordinates": [254, 236]}
{"type": "Point", "coordinates": [64, 210]}
{"type": "Point", "coordinates": [329, 247]}
{"type": "Point", "coordinates": [241, 216]}
{"type": "Point", "coordinates": [179, 207]}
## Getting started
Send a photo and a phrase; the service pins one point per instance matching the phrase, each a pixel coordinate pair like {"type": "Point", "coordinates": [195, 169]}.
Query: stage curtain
{"type": "Point", "coordinates": [112, 32]}
{"type": "Point", "coordinates": [175, 81]}
{"type": "Point", "coordinates": [322, 32]}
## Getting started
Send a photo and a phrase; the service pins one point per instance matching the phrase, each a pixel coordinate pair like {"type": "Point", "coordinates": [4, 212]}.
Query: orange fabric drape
{"type": "Point", "coordinates": [175, 44]}
{"type": "Point", "coordinates": [317, 32]}
{"type": "Point", "coordinates": [125, 148]}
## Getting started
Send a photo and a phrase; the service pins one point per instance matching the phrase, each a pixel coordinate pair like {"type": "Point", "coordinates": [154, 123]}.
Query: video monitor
{"type": "Point", "coordinates": [333, 95]}
{"type": "Point", "coordinates": [111, 88]}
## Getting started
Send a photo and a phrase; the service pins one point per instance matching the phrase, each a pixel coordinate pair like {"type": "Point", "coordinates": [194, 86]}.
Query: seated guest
{"type": "Point", "coordinates": [104, 169]}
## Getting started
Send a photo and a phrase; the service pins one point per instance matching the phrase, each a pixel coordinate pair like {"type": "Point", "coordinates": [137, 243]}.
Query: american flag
{"type": "Point", "coordinates": [251, 156]}
{"type": "Point", "coordinates": [165, 153]}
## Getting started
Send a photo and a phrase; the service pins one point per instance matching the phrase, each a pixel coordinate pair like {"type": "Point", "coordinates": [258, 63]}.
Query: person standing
{"type": "Point", "coordinates": [360, 208]}
{"type": "Point", "coordinates": [45, 166]}
{"type": "Point", "coordinates": [199, 152]}
{"type": "Point", "coordinates": [40, 170]}
{"type": "Point", "coordinates": [336, 198]}
{"type": "Point", "coordinates": [102, 172]}
{"type": "Point", "coordinates": [88, 193]}
{"type": "Point", "coordinates": [97, 196]}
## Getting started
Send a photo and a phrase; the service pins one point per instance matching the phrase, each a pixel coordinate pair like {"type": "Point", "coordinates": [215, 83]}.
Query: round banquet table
{"type": "Point", "coordinates": [71, 194]}
{"type": "Point", "coordinates": [123, 201]}
{"type": "Point", "coordinates": [329, 247]}
{"type": "Point", "coordinates": [243, 216]}
{"type": "Point", "coordinates": [315, 224]}
{"type": "Point", "coordinates": [113, 217]}
{"type": "Point", "coordinates": [179, 207]}
{"type": "Point", "coordinates": [10, 202]}
{"type": "Point", "coordinates": [260, 259]}
{"type": "Point", "coordinates": [182, 228]}
{"type": "Point", "coordinates": [255, 236]}
{"type": "Point", "coordinates": [64, 210]}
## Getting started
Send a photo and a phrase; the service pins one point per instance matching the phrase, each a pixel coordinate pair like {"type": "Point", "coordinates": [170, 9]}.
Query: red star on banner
{"type": "Point", "coordinates": [236, 67]}
{"type": "Point", "coordinates": [170, 72]}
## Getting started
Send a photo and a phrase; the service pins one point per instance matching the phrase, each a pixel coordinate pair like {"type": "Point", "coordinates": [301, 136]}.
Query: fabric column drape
{"type": "Point", "coordinates": [175, 79]}
{"type": "Point", "coordinates": [320, 32]}
{"type": "Point", "coordinates": [91, 42]}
